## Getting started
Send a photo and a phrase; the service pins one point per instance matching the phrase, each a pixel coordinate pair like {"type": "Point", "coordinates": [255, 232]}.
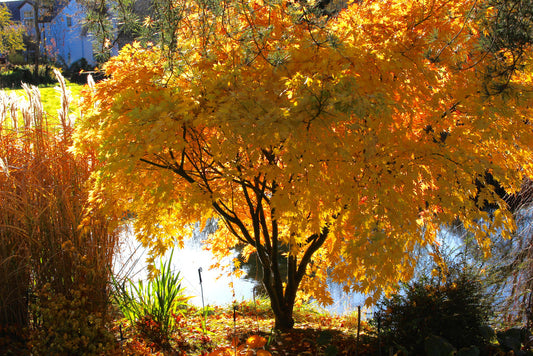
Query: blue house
{"type": "Point", "coordinates": [63, 37]}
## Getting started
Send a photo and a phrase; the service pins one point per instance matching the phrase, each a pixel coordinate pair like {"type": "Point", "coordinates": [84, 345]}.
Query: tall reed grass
{"type": "Point", "coordinates": [56, 250]}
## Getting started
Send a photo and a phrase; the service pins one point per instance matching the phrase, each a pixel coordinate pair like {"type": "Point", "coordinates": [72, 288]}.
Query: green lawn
{"type": "Point", "coordinates": [50, 98]}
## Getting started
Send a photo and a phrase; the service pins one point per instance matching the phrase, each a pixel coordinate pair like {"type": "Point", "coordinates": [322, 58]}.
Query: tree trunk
{"type": "Point", "coordinates": [283, 319]}
{"type": "Point", "coordinates": [283, 296]}
{"type": "Point", "coordinates": [37, 41]}
{"type": "Point", "coordinates": [283, 311]}
{"type": "Point", "coordinates": [281, 299]}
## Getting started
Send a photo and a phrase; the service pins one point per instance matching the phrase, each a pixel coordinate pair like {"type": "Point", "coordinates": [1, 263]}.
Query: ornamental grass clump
{"type": "Point", "coordinates": [56, 246]}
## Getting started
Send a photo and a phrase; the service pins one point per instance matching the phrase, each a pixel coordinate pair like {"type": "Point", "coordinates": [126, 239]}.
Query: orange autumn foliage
{"type": "Point", "coordinates": [343, 142]}
{"type": "Point", "coordinates": [247, 349]}
{"type": "Point", "coordinates": [256, 341]}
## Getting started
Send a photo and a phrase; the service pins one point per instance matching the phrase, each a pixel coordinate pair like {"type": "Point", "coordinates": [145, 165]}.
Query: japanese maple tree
{"type": "Point", "coordinates": [344, 141]}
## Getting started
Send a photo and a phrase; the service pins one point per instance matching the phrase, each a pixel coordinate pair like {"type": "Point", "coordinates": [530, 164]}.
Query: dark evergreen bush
{"type": "Point", "coordinates": [456, 310]}
{"type": "Point", "coordinates": [77, 72]}
{"type": "Point", "coordinates": [14, 77]}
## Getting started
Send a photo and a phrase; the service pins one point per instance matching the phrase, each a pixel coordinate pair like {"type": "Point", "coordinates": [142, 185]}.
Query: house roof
{"type": "Point", "coordinates": [13, 7]}
{"type": "Point", "coordinates": [50, 12]}
{"type": "Point", "coordinates": [47, 13]}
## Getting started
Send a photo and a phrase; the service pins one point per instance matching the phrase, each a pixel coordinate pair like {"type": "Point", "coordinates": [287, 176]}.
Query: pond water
{"type": "Point", "coordinates": [216, 283]}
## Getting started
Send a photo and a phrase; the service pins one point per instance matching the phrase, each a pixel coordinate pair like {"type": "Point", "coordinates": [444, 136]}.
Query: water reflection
{"type": "Point", "coordinates": [131, 262]}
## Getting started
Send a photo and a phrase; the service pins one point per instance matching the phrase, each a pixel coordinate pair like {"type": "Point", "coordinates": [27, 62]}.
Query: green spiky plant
{"type": "Point", "coordinates": [157, 300]}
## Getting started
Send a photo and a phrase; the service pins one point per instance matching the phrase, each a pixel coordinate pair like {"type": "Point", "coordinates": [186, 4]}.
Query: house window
{"type": "Point", "coordinates": [28, 18]}
{"type": "Point", "coordinates": [69, 21]}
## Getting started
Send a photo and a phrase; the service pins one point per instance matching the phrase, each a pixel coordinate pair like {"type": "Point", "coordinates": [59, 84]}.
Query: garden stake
{"type": "Point", "coordinates": [203, 304]}
{"type": "Point", "coordinates": [235, 327]}
{"type": "Point", "coordinates": [379, 335]}
{"type": "Point", "coordinates": [358, 330]}
{"type": "Point", "coordinates": [256, 314]}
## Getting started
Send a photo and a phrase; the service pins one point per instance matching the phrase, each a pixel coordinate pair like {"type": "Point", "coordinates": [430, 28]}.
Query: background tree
{"type": "Point", "coordinates": [112, 23]}
{"type": "Point", "coordinates": [10, 33]}
{"type": "Point", "coordinates": [346, 142]}
{"type": "Point", "coordinates": [118, 22]}
{"type": "Point", "coordinates": [507, 271]}
{"type": "Point", "coordinates": [507, 35]}
{"type": "Point", "coordinates": [517, 263]}
{"type": "Point", "coordinates": [42, 9]}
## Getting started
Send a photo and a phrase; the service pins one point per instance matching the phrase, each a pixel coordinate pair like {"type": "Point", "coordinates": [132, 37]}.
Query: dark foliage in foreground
{"type": "Point", "coordinates": [456, 310]}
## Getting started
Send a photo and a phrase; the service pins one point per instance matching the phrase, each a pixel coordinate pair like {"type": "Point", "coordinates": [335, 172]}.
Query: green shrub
{"type": "Point", "coordinates": [24, 74]}
{"type": "Point", "coordinates": [75, 72]}
{"type": "Point", "coordinates": [68, 325]}
{"type": "Point", "coordinates": [516, 341]}
{"type": "Point", "coordinates": [15, 77]}
{"type": "Point", "coordinates": [16, 58]}
{"type": "Point", "coordinates": [456, 310]}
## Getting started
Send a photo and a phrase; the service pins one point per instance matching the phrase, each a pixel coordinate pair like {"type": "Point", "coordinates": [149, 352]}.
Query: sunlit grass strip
{"type": "Point", "coordinates": [51, 98]}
